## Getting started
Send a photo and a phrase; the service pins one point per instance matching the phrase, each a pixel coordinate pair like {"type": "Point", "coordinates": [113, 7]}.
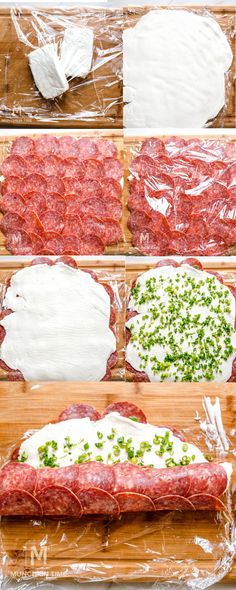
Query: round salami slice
{"type": "Point", "coordinates": [112, 168]}
{"type": "Point", "coordinates": [68, 146]}
{"type": "Point", "coordinates": [173, 503]}
{"type": "Point", "coordinates": [114, 209]}
{"type": "Point", "coordinates": [132, 502]}
{"type": "Point", "coordinates": [153, 147]}
{"type": "Point", "coordinates": [37, 243]}
{"type": "Point", "coordinates": [23, 146]}
{"type": "Point", "coordinates": [93, 170]}
{"type": "Point", "coordinates": [11, 222]}
{"type": "Point", "coordinates": [73, 168]}
{"type": "Point", "coordinates": [167, 262]}
{"type": "Point", "coordinates": [55, 185]}
{"type": "Point", "coordinates": [97, 501]}
{"type": "Point", "coordinates": [138, 219]}
{"type": "Point", "coordinates": [19, 242]}
{"type": "Point", "coordinates": [106, 149]}
{"type": "Point", "coordinates": [109, 231]}
{"type": "Point", "coordinates": [72, 225]}
{"type": "Point", "coordinates": [34, 164]}
{"type": "Point", "coordinates": [94, 474]}
{"type": "Point", "coordinates": [56, 202]}
{"type": "Point", "coordinates": [71, 244]}
{"type": "Point", "coordinates": [32, 223]}
{"type": "Point", "coordinates": [57, 500]}
{"type": "Point", "coordinates": [178, 243]}
{"type": "Point", "coordinates": [12, 203]}
{"type": "Point", "coordinates": [207, 502]}
{"type": "Point", "coordinates": [41, 260]}
{"type": "Point", "coordinates": [207, 478]}
{"type": "Point", "coordinates": [68, 260]}
{"type": "Point", "coordinates": [79, 411]}
{"type": "Point", "coordinates": [36, 202]}
{"type": "Point", "coordinates": [53, 166]}
{"type": "Point", "coordinates": [87, 148]}
{"type": "Point", "coordinates": [111, 188]}
{"type": "Point", "coordinates": [192, 262]}
{"type": "Point", "coordinates": [35, 182]}
{"type": "Point", "coordinates": [72, 186]}
{"type": "Point", "coordinates": [46, 145]}
{"type": "Point", "coordinates": [19, 503]}
{"type": "Point", "coordinates": [13, 184]}
{"type": "Point", "coordinates": [91, 188]}
{"type": "Point", "coordinates": [18, 475]}
{"type": "Point", "coordinates": [14, 166]}
{"type": "Point", "coordinates": [127, 409]}
{"type": "Point", "coordinates": [91, 245]}
{"type": "Point", "coordinates": [143, 166]}
{"type": "Point", "coordinates": [53, 244]}
{"type": "Point", "coordinates": [52, 221]}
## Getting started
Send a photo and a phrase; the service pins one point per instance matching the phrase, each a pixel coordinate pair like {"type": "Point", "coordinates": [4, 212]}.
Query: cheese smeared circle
{"type": "Point", "coordinates": [184, 327]}
{"type": "Point", "coordinates": [59, 328]}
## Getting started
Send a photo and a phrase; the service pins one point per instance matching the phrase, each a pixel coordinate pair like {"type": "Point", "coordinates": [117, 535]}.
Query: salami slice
{"type": "Point", "coordinates": [93, 170]}
{"type": "Point", "coordinates": [19, 503]}
{"type": "Point", "coordinates": [173, 503]}
{"type": "Point", "coordinates": [131, 502]}
{"type": "Point", "coordinates": [143, 166]}
{"type": "Point", "coordinates": [73, 168]}
{"type": "Point", "coordinates": [138, 219]}
{"type": "Point", "coordinates": [91, 245]}
{"type": "Point", "coordinates": [56, 202]}
{"type": "Point", "coordinates": [153, 147]}
{"type": "Point", "coordinates": [87, 148]}
{"type": "Point", "coordinates": [106, 149]}
{"type": "Point", "coordinates": [109, 231]}
{"type": "Point", "coordinates": [71, 244]}
{"type": "Point", "coordinates": [79, 411]}
{"type": "Point", "coordinates": [192, 262]}
{"type": "Point", "coordinates": [53, 166]}
{"type": "Point", "coordinates": [207, 502]}
{"type": "Point", "coordinates": [13, 184]}
{"type": "Point", "coordinates": [32, 223]}
{"type": "Point", "coordinates": [19, 242]}
{"type": "Point", "coordinates": [37, 243]}
{"type": "Point", "coordinates": [53, 244]}
{"type": "Point", "coordinates": [68, 146]}
{"type": "Point", "coordinates": [72, 186]}
{"type": "Point", "coordinates": [91, 188]}
{"type": "Point", "coordinates": [11, 222]}
{"type": "Point", "coordinates": [36, 202]}
{"type": "Point", "coordinates": [111, 188]}
{"type": "Point", "coordinates": [55, 185]}
{"type": "Point", "coordinates": [23, 146]}
{"type": "Point", "coordinates": [46, 145]}
{"type": "Point", "coordinates": [207, 478]}
{"type": "Point", "coordinates": [41, 260]}
{"type": "Point", "coordinates": [52, 221]}
{"type": "Point", "coordinates": [97, 501]}
{"type": "Point", "coordinates": [72, 225]}
{"type": "Point", "coordinates": [57, 500]}
{"type": "Point", "coordinates": [94, 474]}
{"type": "Point", "coordinates": [127, 409]}
{"type": "Point", "coordinates": [14, 166]}
{"type": "Point", "coordinates": [34, 164]}
{"type": "Point", "coordinates": [12, 203]}
{"type": "Point", "coordinates": [18, 475]}
{"type": "Point", "coordinates": [112, 168]}
{"type": "Point", "coordinates": [35, 182]}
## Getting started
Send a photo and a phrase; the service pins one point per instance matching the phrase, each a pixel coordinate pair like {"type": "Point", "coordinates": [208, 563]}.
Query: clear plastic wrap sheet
{"type": "Point", "coordinates": [137, 265]}
{"type": "Point", "coordinates": [225, 17]}
{"type": "Point", "coordinates": [110, 272]}
{"type": "Point", "coordinates": [93, 101]}
{"type": "Point", "coordinates": [101, 218]}
{"type": "Point", "coordinates": [165, 550]}
{"type": "Point", "coordinates": [181, 195]}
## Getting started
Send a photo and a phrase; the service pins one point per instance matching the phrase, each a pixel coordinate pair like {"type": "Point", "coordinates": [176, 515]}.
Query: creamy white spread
{"type": "Point", "coordinates": [184, 327]}
{"type": "Point", "coordinates": [112, 439]}
{"type": "Point", "coordinates": [47, 71]}
{"type": "Point", "coordinates": [77, 52]}
{"type": "Point", "coordinates": [59, 328]}
{"type": "Point", "coordinates": [174, 69]}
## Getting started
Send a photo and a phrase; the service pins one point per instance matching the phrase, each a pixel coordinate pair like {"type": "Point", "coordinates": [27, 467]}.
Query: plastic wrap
{"type": "Point", "coordinates": [62, 194]}
{"type": "Point", "coordinates": [135, 267]}
{"type": "Point", "coordinates": [143, 117]}
{"type": "Point", "coordinates": [182, 196]}
{"type": "Point", "coordinates": [179, 549]}
{"type": "Point", "coordinates": [94, 101]}
{"type": "Point", "coordinates": [109, 272]}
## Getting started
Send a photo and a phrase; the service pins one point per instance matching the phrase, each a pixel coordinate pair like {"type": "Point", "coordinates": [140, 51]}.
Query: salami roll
{"type": "Point", "coordinates": [56, 500]}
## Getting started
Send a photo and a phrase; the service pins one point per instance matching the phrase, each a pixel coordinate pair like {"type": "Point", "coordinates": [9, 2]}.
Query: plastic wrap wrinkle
{"type": "Point", "coordinates": [82, 547]}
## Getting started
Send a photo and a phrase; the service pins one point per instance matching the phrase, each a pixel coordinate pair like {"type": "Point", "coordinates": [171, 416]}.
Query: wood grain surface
{"type": "Point", "coordinates": [93, 102]}
{"type": "Point", "coordinates": [131, 147]}
{"type": "Point", "coordinates": [141, 548]}
{"type": "Point", "coordinates": [114, 135]}
{"type": "Point", "coordinates": [109, 272]}
{"type": "Point", "coordinates": [225, 16]}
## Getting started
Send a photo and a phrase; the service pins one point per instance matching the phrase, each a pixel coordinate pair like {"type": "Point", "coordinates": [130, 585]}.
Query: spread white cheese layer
{"type": "Point", "coordinates": [59, 328]}
{"type": "Point", "coordinates": [77, 51]}
{"type": "Point", "coordinates": [80, 440]}
{"type": "Point", "coordinates": [47, 71]}
{"type": "Point", "coordinates": [174, 67]}
{"type": "Point", "coordinates": [184, 327]}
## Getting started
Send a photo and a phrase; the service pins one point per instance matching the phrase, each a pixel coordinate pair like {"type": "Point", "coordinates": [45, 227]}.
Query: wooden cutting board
{"type": "Point", "coordinates": [115, 135]}
{"type": "Point", "coordinates": [138, 265]}
{"type": "Point", "coordinates": [93, 102]}
{"type": "Point", "coordinates": [225, 16]}
{"type": "Point", "coordinates": [134, 548]}
{"type": "Point", "coordinates": [110, 271]}
{"type": "Point", "coordinates": [132, 144]}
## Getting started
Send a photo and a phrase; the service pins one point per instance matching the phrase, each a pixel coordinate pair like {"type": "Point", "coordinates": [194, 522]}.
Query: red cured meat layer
{"type": "Point", "coordinates": [78, 180]}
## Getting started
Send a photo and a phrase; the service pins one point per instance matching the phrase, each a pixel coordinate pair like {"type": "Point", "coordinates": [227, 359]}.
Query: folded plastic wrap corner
{"type": "Point", "coordinates": [50, 69]}
{"type": "Point", "coordinates": [85, 463]}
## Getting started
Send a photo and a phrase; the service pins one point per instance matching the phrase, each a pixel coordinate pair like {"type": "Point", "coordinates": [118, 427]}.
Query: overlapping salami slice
{"type": "Point", "coordinates": [79, 411]}
{"type": "Point", "coordinates": [189, 182]}
{"type": "Point", "coordinates": [127, 409]}
{"type": "Point", "coordinates": [78, 179]}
